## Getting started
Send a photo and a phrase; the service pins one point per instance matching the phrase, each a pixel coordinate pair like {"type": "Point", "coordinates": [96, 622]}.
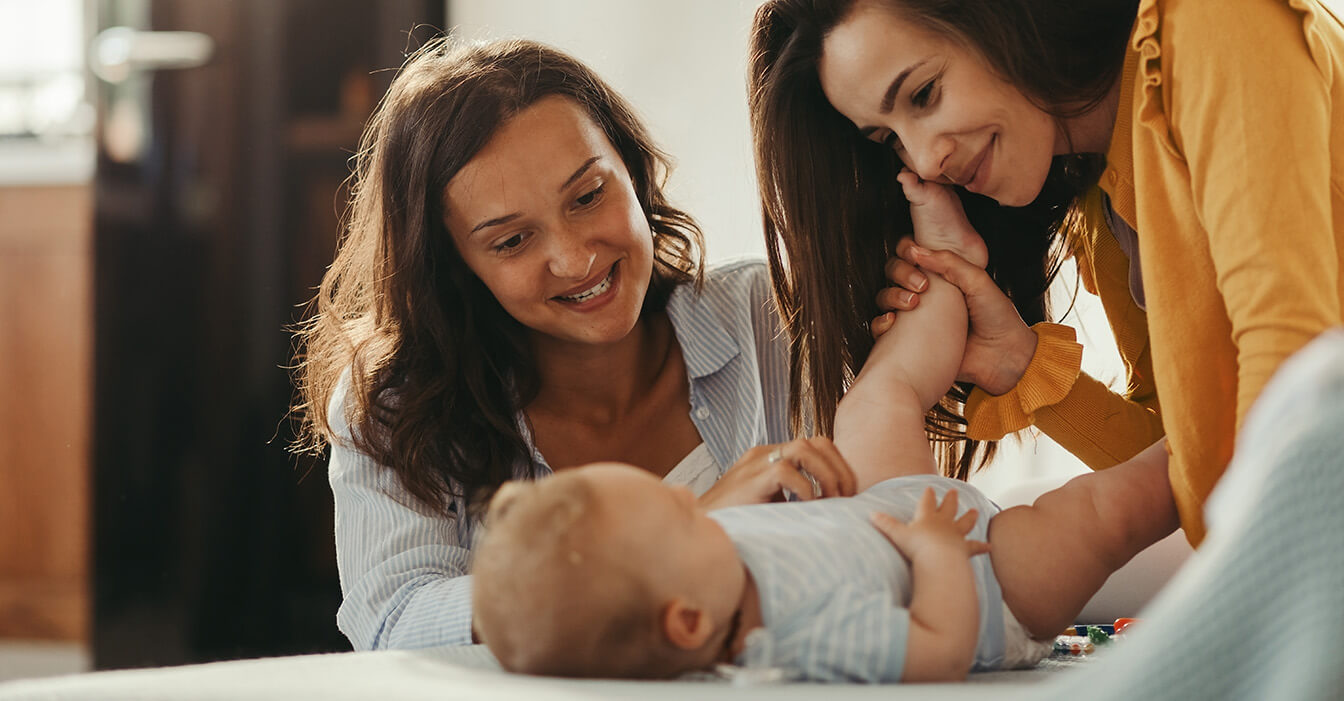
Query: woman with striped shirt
{"type": "Point", "coordinates": [515, 295]}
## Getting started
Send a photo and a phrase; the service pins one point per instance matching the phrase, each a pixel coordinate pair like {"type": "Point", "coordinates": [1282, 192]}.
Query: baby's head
{"type": "Point", "coordinates": [603, 571]}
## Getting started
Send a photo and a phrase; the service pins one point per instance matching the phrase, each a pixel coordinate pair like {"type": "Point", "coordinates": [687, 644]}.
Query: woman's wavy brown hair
{"type": "Point", "coordinates": [834, 212]}
{"type": "Point", "coordinates": [423, 364]}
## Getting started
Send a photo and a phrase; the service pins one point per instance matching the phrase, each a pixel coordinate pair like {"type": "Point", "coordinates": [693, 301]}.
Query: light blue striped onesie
{"type": "Point", "coordinates": [835, 593]}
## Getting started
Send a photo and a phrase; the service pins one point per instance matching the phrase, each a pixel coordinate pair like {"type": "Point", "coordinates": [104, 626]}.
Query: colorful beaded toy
{"type": "Point", "coordinates": [1084, 640]}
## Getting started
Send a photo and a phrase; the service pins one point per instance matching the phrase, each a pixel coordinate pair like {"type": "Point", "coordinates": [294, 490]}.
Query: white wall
{"type": "Point", "coordinates": [682, 64]}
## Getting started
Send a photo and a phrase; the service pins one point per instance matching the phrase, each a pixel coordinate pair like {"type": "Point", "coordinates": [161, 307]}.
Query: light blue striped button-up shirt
{"type": "Point", "coordinates": [404, 570]}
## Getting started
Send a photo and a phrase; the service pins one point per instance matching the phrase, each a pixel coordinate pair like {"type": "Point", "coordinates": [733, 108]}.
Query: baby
{"type": "Point", "coordinates": [605, 571]}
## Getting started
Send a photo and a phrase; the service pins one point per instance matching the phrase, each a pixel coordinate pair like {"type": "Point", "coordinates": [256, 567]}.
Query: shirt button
{"type": "Point", "coordinates": [702, 413]}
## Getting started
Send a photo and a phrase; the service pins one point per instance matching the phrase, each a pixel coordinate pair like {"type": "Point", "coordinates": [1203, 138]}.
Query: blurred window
{"type": "Point", "coordinates": [42, 78]}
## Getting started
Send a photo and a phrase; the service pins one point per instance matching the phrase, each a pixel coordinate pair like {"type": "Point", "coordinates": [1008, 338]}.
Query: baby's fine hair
{"type": "Point", "coordinates": [550, 595]}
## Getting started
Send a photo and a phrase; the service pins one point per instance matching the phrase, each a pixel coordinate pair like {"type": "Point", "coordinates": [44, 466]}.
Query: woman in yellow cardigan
{"type": "Point", "coordinates": [1189, 152]}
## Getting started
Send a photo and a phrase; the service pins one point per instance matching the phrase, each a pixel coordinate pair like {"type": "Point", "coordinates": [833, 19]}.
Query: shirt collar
{"type": "Point", "coordinates": [706, 348]}
{"type": "Point", "coordinates": [705, 344]}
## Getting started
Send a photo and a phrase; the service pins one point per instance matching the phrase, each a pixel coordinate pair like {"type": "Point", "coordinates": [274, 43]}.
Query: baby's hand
{"type": "Point", "coordinates": [939, 219]}
{"type": "Point", "coordinates": [935, 527]}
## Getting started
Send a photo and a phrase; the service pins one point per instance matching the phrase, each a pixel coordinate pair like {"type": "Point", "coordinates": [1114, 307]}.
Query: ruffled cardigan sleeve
{"type": "Point", "coordinates": [1100, 426]}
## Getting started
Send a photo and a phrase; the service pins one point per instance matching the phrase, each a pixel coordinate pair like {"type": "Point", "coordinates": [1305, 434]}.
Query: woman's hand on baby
{"type": "Point", "coordinates": [763, 473]}
{"type": "Point", "coordinates": [999, 346]}
{"type": "Point", "coordinates": [908, 281]}
{"type": "Point", "coordinates": [935, 527]}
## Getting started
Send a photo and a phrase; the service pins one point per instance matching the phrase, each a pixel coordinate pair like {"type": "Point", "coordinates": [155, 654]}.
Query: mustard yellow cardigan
{"type": "Point", "coordinates": [1227, 158]}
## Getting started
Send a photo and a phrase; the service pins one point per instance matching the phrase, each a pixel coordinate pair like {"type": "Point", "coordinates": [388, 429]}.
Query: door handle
{"type": "Point", "coordinates": [118, 52]}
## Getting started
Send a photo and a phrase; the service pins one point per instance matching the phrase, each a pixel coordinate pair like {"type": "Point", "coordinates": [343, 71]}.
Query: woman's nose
{"type": "Point", "coordinates": [571, 258]}
{"type": "Point", "coordinates": [929, 158]}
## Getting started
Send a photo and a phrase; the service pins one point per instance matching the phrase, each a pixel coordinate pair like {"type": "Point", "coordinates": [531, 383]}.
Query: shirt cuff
{"type": "Point", "coordinates": [1049, 378]}
{"type": "Point", "coordinates": [436, 615]}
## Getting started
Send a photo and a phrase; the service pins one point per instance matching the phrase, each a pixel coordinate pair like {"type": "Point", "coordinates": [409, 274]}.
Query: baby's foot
{"type": "Point", "coordinates": [940, 222]}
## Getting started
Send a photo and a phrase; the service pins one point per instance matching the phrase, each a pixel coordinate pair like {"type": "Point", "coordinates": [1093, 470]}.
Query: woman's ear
{"type": "Point", "coordinates": [685, 625]}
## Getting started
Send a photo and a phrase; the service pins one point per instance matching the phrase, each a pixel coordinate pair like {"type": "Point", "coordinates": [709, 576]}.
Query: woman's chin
{"type": "Point", "coordinates": [1013, 199]}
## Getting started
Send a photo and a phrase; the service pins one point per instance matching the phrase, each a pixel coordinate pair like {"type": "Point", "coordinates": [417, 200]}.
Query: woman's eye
{"type": "Point", "coordinates": [924, 95]}
{"type": "Point", "coordinates": [589, 197]}
{"type": "Point", "coordinates": [509, 243]}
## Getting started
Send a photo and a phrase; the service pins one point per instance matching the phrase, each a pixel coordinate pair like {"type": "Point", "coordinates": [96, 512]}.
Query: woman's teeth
{"type": "Point", "coordinates": [593, 291]}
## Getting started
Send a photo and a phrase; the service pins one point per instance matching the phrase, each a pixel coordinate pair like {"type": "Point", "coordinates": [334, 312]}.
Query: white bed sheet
{"type": "Point", "coordinates": [444, 674]}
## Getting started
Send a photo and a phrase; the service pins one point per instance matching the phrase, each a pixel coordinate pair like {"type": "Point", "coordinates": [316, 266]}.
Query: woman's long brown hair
{"type": "Point", "coordinates": [405, 345]}
{"type": "Point", "coordinates": [834, 212]}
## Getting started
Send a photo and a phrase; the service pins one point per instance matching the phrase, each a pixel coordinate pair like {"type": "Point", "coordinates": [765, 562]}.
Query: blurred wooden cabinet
{"type": "Point", "coordinates": [45, 394]}
{"type": "Point", "coordinates": [211, 228]}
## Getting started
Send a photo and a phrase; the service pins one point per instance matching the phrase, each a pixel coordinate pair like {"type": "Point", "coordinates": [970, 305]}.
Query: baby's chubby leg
{"type": "Point", "coordinates": [879, 425]}
{"type": "Point", "coordinates": [1052, 556]}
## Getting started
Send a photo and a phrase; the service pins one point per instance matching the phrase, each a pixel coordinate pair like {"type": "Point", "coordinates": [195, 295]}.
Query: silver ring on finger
{"type": "Point", "coordinates": [816, 486]}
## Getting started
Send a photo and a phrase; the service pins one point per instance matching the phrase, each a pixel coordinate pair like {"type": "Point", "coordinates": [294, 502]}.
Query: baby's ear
{"type": "Point", "coordinates": [685, 625]}
{"type": "Point", "coordinates": [504, 499]}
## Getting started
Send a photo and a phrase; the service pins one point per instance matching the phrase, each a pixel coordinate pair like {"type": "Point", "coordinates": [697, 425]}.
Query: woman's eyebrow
{"type": "Point", "coordinates": [889, 99]}
{"type": "Point", "coordinates": [579, 173]}
{"type": "Point", "coordinates": [568, 181]}
{"type": "Point", "coordinates": [494, 222]}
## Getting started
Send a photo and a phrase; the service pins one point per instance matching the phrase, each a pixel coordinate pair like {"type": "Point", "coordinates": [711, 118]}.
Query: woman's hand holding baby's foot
{"type": "Point", "coordinates": [939, 219]}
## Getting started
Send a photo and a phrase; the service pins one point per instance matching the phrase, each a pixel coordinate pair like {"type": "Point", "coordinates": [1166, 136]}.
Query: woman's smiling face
{"type": "Point", "coordinates": [949, 117]}
{"type": "Point", "coordinates": [547, 217]}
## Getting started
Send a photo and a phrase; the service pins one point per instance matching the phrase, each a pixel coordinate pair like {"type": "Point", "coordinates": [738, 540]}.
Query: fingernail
{"type": "Point", "coordinates": [921, 282]}
{"type": "Point", "coordinates": [906, 297]}
{"type": "Point", "coordinates": [919, 250]}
